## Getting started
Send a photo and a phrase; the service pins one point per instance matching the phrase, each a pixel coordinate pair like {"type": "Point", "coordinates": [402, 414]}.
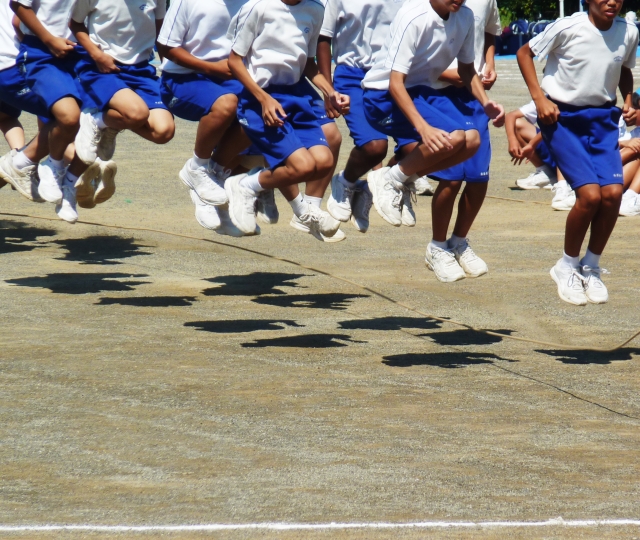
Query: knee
{"type": "Point", "coordinates": [611, 196]}
{"type": "Point", "coordinates": [376, 149]}
{"type": "Point", "coordinates": [68, 119]}
{"type": "Point", "coordinates": [324, 165]}
{"type": "Point", "coordinates": [472, 140]}
{"type": "Point", "coordinates": [334, 138]}
{"type": "Point", "coordinates": [136, 115]}
{"type": "Point", "coordinates": [302, 166]}
{"type": "Point", "coordinates": [226, 106]}
{"type": "Point", "coordinates": [164, 131]}
{"type": "Point", "coordinates": [458, 139]}
{"type": "Point", "coordinates": [590, 199]}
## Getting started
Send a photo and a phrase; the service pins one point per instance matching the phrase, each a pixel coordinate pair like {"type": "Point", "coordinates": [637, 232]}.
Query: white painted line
{"type": "Point", "coordinates": [322, 526]}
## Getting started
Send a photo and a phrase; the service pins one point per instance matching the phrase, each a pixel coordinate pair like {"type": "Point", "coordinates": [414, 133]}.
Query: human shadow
{"type": "Point", "coordinates": [149, 301]}
{"type": "Point", "coordinates": [100, 249]}
{"type": "Point", "coordinates": [240, 326]}
{"type": "Point", "coordinates": [305, 341]}
{"type": "Point", "coordinates": [80, 283]}
{"type": "Point", "coordinates": [334, 301]}
{"type": "Point", "coordinates": [16, 236]}
{"type": "Point", "coordinates": [254, 284]}
{"type": "Point", "coordinates": [466, 337]}
{"type": "Point", "coordinates": [447, 360]}
{"type": "Point", "coordinates": [592, 357]}
{"type": "Point", "coordinates": [390, 323]}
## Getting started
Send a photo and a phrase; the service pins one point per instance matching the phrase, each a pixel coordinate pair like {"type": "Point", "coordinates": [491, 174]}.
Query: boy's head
{"type": "Point", "coordinates": [635, 100]}
{"type": "Point", "coordinates": [604, 10]}
{"type": "Point", "coordinates": [442, 7]}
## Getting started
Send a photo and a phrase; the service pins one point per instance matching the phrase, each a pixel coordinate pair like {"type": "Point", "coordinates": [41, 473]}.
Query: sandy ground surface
{"type": "Point", "coordinates": [154, 379]}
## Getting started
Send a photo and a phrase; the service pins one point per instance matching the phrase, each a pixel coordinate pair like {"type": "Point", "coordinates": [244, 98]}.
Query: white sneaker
{"type": "Point", "coordinates": [88, 138]}
{"type": "Point", "coordinates": [204, 183]}
{"type": "Point", "coordinates": [570, 284]}
{"type": "Point", "coordinates": [106, 182]}
{"type": "Point", "coordinates": [630, 205]}
{"type": "Point", "coordinates": [443, 263]}
{"type": "Point", "coordinates": [296, 223]}
{"type": "Point", "coordinates": [387, 196]}
{"type": "Point", "coordinates": [241, 205]}
{"type": "Point", "coordinates": [341, 198]}
{"type": "Point", "coordinates": [66, 209]}
{"type": "Point", "coordinates": [564, 197]}
{"type": "Point", "coordinates": [107, 144]}
{"type": "Point", "coordinates": [362, 202]}
{"type": "Point", "coordinates": [227, 228]}
{"type": "Point", "coordinates": [25, 181]}
{"type": "Point", "coordinates": [423, 186]}
{"type": "Point", "coordinates": [266, 209]}
{"type": "Point", "coordinates": [472, 265]}
{"type": "Point", "coordinates": [50, 181]}
{"type": "Point", "coordinates": [594, 289]}
{"type": "Point", "coordinates": [408, 196]}
{"type": "Point", "coordinates": [319, 222]}
{"type": "Point", "coordinates": [540, 178]}
{"type": "Point", "coordinates": [206, 214]}
{"type": "Point", "coordinates": [85, 186]}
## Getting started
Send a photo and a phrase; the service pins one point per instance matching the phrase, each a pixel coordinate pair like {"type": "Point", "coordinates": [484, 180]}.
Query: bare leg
{"type": "Point", "coordinates": [308, 165]}
{"type": "Point", "coordinates": [442, 204]}
{"type": "Point", "coordinates": [227, 152]}
{"type": "Point", "coordinates": [12, 130]}
{"type": "Point", "coordinates": [365, 158]}
{"type": "Point", "coordinates": [214, 125]}
{"type": "Point", "coordinates": [63, 133]}
{"type": "Point", "coordinates": [629, 172]}
{"type": "Point", "coordinates": [317, 188]}
{"type": "Point", "coordinates": [587, 205]}
{"type": "Point", "coordinates": [605, 219]}
{"type": "Point", "coordinates": [469, 206]}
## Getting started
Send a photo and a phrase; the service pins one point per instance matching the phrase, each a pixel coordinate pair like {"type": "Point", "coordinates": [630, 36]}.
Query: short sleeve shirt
{"type": "Point", "coordinates": [8, 40]}
{"type": "Point", "coordinates": [53, 14]}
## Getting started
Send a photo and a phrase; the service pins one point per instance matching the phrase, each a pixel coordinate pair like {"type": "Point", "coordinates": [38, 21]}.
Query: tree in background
{"type": "Point", "coordinates": [532, 10]}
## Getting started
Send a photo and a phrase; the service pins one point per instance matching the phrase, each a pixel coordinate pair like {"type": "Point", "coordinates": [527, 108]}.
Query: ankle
{"type": "Point", "coordinates": [590, 259]}
{"type": "Point", "coordinates": [299, 205]}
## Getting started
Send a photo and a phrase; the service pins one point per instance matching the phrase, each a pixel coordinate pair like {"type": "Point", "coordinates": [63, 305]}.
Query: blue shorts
{"type": "Point", "coordinates": [190, 96]}
{"type": "Point", "coordinates": [318, 103]}
{"type": "Point", "coordinates": [476, 168]}
{"type": "Point", "coordinates": [346, 80]}
{"type": "Point", "coordinates": [101, 87]}
{"type": "Point", "coordinates": [437, 109]}
{"type": "Point", "coordinates": [584, 144]}
{"type": "Point", "coordinates": [49, 77]}
{"type": "Point", "coordinates": [301, 128]}
{"type": "Point", "coordinates": [16, 96]}
{"type": "Point", "coordinates": [544, 155]}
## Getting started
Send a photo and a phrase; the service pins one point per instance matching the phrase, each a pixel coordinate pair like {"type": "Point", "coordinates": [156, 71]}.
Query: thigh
{"type": "Point", "coordinates": [143, 81]}
{"type": "Point", "coordinates": [604, 147]}
{"type": "Point", "coordinates": [161, 120]}
{"type": "Point", "coordinates": [321, 155]}
{"type": "Point", "coordinates": [125, 101]}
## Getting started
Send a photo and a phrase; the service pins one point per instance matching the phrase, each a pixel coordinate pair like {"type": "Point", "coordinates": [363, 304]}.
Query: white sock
{"type": "Point", "coordinates": [57, 163]}
{"type": "Point", "coordinates": [455, 240]}
{"type": "Point", "coordinates": [20, 161]}
{"type": "Point", "coordinates": [572, 262]}
{"type": "Point", "coordinates": [299, 205]}
{"type": "Point", "coordinates": [396, 174]}
{"type": "Point", "coordinates": [441, 245]}
{"type": "Point", "coordinates": [99, 118]}
{"type": "Point", "coordinates": [252, 184]}
{"type": "Point", "coordinates": [315, 201]}
{"type": "Point", "coordinates": [215, 167]}
{"type": "Point", "coordinates": [590, 259]}
{"type": "Point", "coordinates": [198, 163]}
{"type": "Point", "coordinates": [560, 183]}
{"type": "Point", "coordinates": [70, 179]}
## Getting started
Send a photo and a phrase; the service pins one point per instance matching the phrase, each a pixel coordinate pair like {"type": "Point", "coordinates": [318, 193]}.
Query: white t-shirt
{"type": "Point", "coordinates": [357, 29]}
{"type": "Point", "coordinates": [124, 29]}
{"type": "Point", "coordinates": [200, 28]}
{"type": "Point", "coordinates": [422, 45]}
{"type": "Point", "coordinates": [487, 21]}
{"type": "Point", "coordinates": [584, 64]}
{"type": "Point", "coordinates": [276, 39]}
{"type": "Point", "coordinates": [530, 112]}
{"type": "Point", "coordinates": [8, 40]}
{"type": "Point", "coordinates": [53, 14]}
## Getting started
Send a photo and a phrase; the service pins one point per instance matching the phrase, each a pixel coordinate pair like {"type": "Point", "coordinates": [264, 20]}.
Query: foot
{"type": "Point", "coordinates": [206, 214]}
{"type": "Point", "coordinates": [341, 199]}
{"type": "Point", "coordinates": [266, 209]}
{"type": "Point", "coordinates": [88, 138]}
{"type": "Point", "coordinates": [296, 223]}
{"type": "Point", "coordinates": [204, 183]}
{"type": "Point", "coordinates": [408, 196]}
{"type": "Point", "coordinates": [362, 202]}
{"type": "Point", "coordinates": [570, 284]}
{"type": "Point", "coordinates": [387, 196]}
{"type": "Point", "coordinates": [423, 186]}
{"type": "Point", "coordinates": [107, 144]}
{"type": "Point", "coordinates": [536, 180]}
{"type": "Point", "coordinates": [444, 265]}
{"type": "Point", "coordinates": [630, 205]}
{"type": "Point", "coordinates": [594, 289]}
{"type": "Point", "coordinates": [319, 222]}
{"type": "Point", "coordinates": [472, 265]}
{"type": "Point", "coordinates": [66, 209]}
{"type": "Point", "coordinates": [227, 228]}
{"type": "Point", "coordinates": [25, 181]}
{"type": "Point", "coordinates": [50, 181]}
{"type": "Point", "coordinates": [106, 182]}
{"type": "Point", "coordinates": [241, 205]}
{"type": "Point", "coordinates": [564, 197]}
{"type": "Point", "coordinates": [85, 186]}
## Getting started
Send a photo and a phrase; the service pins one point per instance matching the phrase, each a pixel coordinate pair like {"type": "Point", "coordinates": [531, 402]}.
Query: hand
{"type": "Point", "coordinates": [495, 111]}
{"type": "Point", "coordinates": [219, 69]}
{"type": "Point", "coordinates": [633, 145]}
{"type": "Point", "coordinates": [434, 139]}
{"type": "Point", "coordinates": [548, 112]}
{"type": "Point", "coordinates": [339, 102]}
{"type": "Point", "coordinates": [489, 78]}
{"type": "Point", "coordinates": [515, 151]}
{"type": "Point", "coordinates": [629, 114]}
{"type": "Point", "coordinates": [272, 112]}
{"type": "Point", "coordinates": [105, 63]}
{"type": "Point", "coordinates": [60, 47]}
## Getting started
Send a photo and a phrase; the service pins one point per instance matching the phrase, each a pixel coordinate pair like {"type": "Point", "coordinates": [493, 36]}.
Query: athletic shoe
{"type": "Point", "coordinates": [443, 263]}
{"type": "Point", "coordinates": [206, 214]}
{"type": "Point", "coordinates": [536, 180]}
{"type": "Point", "coordinates": [106, 184]}
{"type": "Point", "coordinates": [266, 209]}
{"type": "Point", "coordinates": [362, 202]}
{"type": "Point", "coordinates": [341, 198]}
{"type": "Point", "coordinates": [319, 222]}
{"type": "Point", "coordinates": [472, 265]}
{"type": "Point", "coordinates": [570, 284]}
{"type": "Point", "coordinates": [50, 181]}
{"type": "Point", "coordinates": [423, 186]}
{"type": "Point", "coordinates": [241, 205]}
{"type": "Point", "coordinates": [85, 187]}
{"type": "Point", "coordinates": [66, 209]}
{"type": "Point", "coordinates": [387, 196]}
{"type": "Point", "coordinates": [408, 215]}
{"type": "Point", "coordinates": [25, 181]}
{"type": "Point", "coordinates": [204, 183]}
{"type": "Point", "coordinates": [227, 228]}
{"type": "Point", "coordinates": [296, 223]}
{"type": "Point", "coordinates": [630, 205]}
{"type": "Point", "coordinates": [564, 197]}
{"type": "Point", "coordinates": [107, 144]}
{"type": "Point", "coordinates": [88, 138]}
{"type": "Point", "coordinates": [594, 289]}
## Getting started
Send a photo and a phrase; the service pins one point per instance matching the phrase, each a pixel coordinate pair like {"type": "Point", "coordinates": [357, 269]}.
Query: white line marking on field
{"type": "Point", "coordinates": [321, 526]}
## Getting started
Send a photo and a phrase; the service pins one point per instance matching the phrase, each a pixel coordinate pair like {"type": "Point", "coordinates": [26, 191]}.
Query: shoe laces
{"type": "Point", "coordinates": [443, 255]}
{"type": "Point", "coordinates": [465, 252]}
{"type": "Point", "coordinates": [409, 195]}
{"type": "Point", "coordinates": [397, 195]}
{"type": "Point", "coordinates": [576, 280]}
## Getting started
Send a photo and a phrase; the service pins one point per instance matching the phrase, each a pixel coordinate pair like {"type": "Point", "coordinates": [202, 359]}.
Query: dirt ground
{"type": "Point", "coordinates": [153, 379]}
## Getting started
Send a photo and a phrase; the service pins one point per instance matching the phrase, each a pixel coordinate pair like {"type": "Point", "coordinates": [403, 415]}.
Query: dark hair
{"type": "Point", "coordinates": [635, 100]}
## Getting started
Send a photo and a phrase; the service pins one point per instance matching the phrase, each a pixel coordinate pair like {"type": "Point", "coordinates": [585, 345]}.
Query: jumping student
{"type": "Point", "coordinates": [402, 99]}
{"type": "Point", "coordinates": [353, 31]}
{"type": "Point", "coordinates": [273, 49]}
{"type": "Point", "coordinates": [589, 54]}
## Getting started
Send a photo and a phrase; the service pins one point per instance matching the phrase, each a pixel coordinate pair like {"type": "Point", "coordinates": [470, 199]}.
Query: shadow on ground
{"type": "Point", "coordinates": [100, 249]}
{"type": "Point", "coordinates": [592, 357]}
{"type": "Point", "coordinates": [390, 323]}
{"type": "Point", "coordinates": [149, 301]}
{"type": "Point", "coordinates": [16, 236]}
{"type": "Point", "coordinates": [305, 341]}
{"type": "Point", "coordinates": [254, 284]}
{"type": "Point", "coordinates": [335, 301]}
{"type": "Point", "coordinates": [80, 283]}
{"type": "Point", "coordinates": [448, 360]}
{"type": "Point", "coordinates": [241, 326]}
{"type": "Point", "coordinates": [466, 337]}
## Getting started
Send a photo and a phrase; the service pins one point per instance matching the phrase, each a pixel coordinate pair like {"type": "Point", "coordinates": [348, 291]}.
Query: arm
{"type": "Point", "coordinates": [515, 150]}
{"type": "Point", "coordinates": [451, 76]}
{"type": "Point", "coordinates": [105, 63]}
{"type": "Point", "coordinates": [183, 58]}
{"type": "Point", "coordinates": [15, 22]}
{"type": "Point", "coordinates": [548, 111]}
{"type": "Point", "coordinates": [626, 89]}
{"type": "Point", "coordinates": [58, 46]}
{"type": "Point", "coordinates": [472, 82]}
{"type": "Point", "coordinates": [335, 103]}
{"type": "Point", "coordinates": [323, 54]}
{"type": "Point", "coordinates": [489, 73]}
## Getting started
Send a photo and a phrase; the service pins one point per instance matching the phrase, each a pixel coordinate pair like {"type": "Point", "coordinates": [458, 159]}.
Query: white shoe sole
{"type": "Point", "coordinates": [188, 183]}
{"type": "Point", "coordinates": [85, 191]}
{"type": "Point", "coordinates": [336, 211]}
{"type": "Point", "coordinates": [7, 178]}
{"type": "Point", "coordinates": [337, 237]}
{"type": "Point", "coordinates": [555, 278]}
{"type": "Point", "coordinates": [357, 227]}
{"type": "Point", "coordinates": [107, 186]}
{"type": "Point", "coordinates": [374, 195]}
{"type": "Point", "coordinates": [440, 278]}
